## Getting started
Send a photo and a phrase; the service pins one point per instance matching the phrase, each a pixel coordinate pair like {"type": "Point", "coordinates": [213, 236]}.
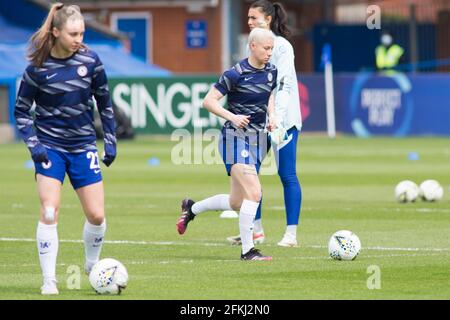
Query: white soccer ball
{"type": "Point", "coordinates": [344, 245]}
{"type": "Point", "coordinates": [406, 191]}
{"type": "Point", "coordinates": [108, 276]}
{"type": "Point", "coordinates": [431, 190]}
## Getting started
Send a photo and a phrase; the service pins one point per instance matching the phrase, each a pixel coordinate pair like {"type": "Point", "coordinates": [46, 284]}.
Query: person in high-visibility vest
{"type": "Point", "coordinates": [388, 54]}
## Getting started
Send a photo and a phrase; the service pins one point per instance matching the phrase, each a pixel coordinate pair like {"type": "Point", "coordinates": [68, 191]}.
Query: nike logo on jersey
{"type": "Point", "coordinates": [48, 77]}
{"type": "Point", "coordinates": [96, 171]}
{"type": "Point", "coordinates": [246, 79]}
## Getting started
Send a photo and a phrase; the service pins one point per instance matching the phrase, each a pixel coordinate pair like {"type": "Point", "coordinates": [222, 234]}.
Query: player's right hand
{"type": "Point", "coordinates": [240, 121]}
{"type": "Point", "coordinates": [39, 154]}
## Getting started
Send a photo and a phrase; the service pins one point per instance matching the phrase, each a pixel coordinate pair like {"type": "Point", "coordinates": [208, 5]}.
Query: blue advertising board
{"type": "Point", "coordinates": [388, 103]}
{"type": "Point", "coordinates": [366, 104]}
{"type": "Point", "coordinates": [394, 103]}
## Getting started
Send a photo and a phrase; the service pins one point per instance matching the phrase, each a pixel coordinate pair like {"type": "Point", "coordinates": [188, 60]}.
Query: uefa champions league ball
{"type": "Point", "coordinates": [344, 245]}
{"type": "Point", "coordinates": [406, 191]}
{"type": "Point", "coordinates": [431, 190]}
{"type": "Point", "coordinates": [108, 276]}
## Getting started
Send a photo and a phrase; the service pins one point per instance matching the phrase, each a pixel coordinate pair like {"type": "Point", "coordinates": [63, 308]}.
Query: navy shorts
{"type": "Point", "coordinates": [237, 146]}
{"type": "Point", "coordinates": [82, 168]}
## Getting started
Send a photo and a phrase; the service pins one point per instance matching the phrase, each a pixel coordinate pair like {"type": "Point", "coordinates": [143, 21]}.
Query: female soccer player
{"type": "Point", "coordinates": [264, 14]}
{"type": "Point", "coordinates": [249, 86]}
{"type": "Point", "coordinates": [61, 79]}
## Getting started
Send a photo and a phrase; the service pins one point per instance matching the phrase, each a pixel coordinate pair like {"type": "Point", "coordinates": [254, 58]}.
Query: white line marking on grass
{"type": "Point", "coordinates": [400, 255]}
{"type": "Point", "coordinates": [390, 248]}
{"type": "Point", "coordinates": [26, 265]}
{"type": "Point", "coordinates": [277, 208]}
{"type": "Point", "coordinates": [233, 260]}
{"type": "Point", "coordinates": [215, 244]}
{"type": "Point", "coordinates": [175, 261]}
{"type": "Point", "coordinates": [408, 249]}
{"type": "Point", "coordinates": [371, 256]}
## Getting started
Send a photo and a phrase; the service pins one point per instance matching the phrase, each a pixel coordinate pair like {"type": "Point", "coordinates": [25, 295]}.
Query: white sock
{"type": "Point", "coordinates": [217, 202]}
{"type": "Point", "coordinates": [47, 244]}
{"type": "Point", "coordinates": [258, 226]}
{"type": "Point", "coordinates": [292, 230]}
{"type": "Point", "coordinates": [246, 217]}
{"type": "Point", "coordinates": [93, 237]}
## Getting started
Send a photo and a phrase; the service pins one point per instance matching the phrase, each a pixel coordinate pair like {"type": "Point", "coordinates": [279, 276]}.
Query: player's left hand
{"type": "Point", "coordinates": [110, 154]}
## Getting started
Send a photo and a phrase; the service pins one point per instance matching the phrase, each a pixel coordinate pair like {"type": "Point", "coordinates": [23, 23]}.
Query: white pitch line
{"type": "Point", "coordinates": [392, 248]}
{"type": "Point", "coordinates": [231, 260]}
{"type": "Point", "coordinates": [168, 243]}
{"type": "Point", "coordinates": [25, 265]}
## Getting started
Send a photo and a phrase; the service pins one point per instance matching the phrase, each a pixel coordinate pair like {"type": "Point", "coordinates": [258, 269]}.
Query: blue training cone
{"type": "Point", "coordinates": [153, 162]}
{"type": "Point", "coordinates": [413, 156]}
{"type": "Point", "coordinates": [29, 164]}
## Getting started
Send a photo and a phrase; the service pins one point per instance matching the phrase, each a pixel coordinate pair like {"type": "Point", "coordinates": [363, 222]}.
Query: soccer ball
{"type": "Point", "coordinates": [431, 190]}
{"type": "Point", "coordinates": [344, 245]}
{"type": "Point", "coordinates": [406, 191]}
{"type": "Point", "coordinates": [108, 276]}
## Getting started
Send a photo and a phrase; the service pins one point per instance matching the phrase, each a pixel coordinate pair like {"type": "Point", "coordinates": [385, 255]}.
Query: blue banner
{"type": "Point", "coordinates": [389, 103]}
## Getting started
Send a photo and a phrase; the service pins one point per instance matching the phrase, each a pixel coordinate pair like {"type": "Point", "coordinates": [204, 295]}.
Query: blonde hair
{"type": "Point", "coordinates": [259, 34]}
{"type": "Point", "coordinates": [43, 40]}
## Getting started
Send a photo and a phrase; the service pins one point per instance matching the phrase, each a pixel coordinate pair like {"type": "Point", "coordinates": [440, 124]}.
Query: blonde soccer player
{"type": "Point", "coordinates": [273, 17]}
{"type": "Point", "coordinates": [249, 87]}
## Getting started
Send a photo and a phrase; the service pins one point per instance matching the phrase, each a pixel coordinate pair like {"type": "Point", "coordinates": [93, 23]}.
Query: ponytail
{"type": "Point", "coordinates": [278, 14]}
{"type": "Point", "coordinates": [43, 40]}
{"type": "Point", "coordinates": [280, 21]}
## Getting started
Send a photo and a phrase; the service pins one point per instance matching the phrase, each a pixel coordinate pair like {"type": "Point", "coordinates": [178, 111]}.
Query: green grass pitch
{"type": "Point", "coordinates": [347, 183]}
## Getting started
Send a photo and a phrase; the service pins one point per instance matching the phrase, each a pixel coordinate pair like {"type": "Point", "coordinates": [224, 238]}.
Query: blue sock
{"type": "Point", "coordinates": [258, 212]}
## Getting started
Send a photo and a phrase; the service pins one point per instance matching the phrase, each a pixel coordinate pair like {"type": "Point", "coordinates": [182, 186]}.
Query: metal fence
{"type": "Point", "coordinates": [421, 26]}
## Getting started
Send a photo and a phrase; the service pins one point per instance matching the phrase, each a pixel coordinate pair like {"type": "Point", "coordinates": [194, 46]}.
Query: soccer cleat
{"type": "Point", "coordinates": [258, 238]}
{"type": "Point", "coordinates": [288, 241]}
{"type": "Point", "coordinates": [186, 215]}
{"type": "Point", "coordinates": [255, 254]}
{"type": "Point", "coordinates": [49, 287]}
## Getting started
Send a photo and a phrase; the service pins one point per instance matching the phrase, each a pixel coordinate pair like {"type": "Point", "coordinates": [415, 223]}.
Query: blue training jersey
{"type": "Point", "coordinates": [62, 90]}
{"type": "Point", "coordinates": [248, 90]}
